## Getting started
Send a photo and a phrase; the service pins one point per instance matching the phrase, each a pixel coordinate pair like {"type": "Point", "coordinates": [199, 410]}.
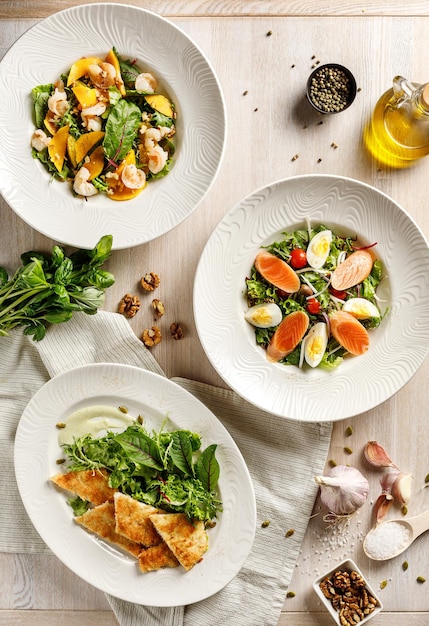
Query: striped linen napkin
{"type": "Point", "coordinates": [282, 457]}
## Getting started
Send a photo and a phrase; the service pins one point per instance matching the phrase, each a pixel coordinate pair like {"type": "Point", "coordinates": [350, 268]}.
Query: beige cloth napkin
{"type": "Point", "coordinates": [282, 457]}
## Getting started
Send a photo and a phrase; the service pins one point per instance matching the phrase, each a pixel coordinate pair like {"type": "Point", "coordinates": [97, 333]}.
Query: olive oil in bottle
{"type": "Point", "coordinates": [398, 132]}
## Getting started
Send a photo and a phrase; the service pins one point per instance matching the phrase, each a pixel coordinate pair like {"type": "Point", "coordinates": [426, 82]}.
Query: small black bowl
{"type": "Point", "coordinates": [331, 88]}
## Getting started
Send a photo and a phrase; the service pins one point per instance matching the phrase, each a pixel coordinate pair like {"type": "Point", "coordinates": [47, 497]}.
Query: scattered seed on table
{"type": "Point", "coordinates": [349, 429]}
{"type": "Point", "coordinates": [245, 93]}
{"type": "Point", "coordinates": [290, 594]}
{"type": "Point", "coordinates": [270, 32]}
{"type": "Point", "coordinates": [265, 524]}
{"type": "Point", "coordinates": [348, 450]}
{"type": "Point", "coordinates": [319, 160]}
{"type": "Point", "coordinates": [421, 579]}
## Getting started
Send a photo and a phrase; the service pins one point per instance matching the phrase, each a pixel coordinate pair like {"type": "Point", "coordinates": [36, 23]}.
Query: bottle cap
{"type": "Point", "coordinates": [425, 96]}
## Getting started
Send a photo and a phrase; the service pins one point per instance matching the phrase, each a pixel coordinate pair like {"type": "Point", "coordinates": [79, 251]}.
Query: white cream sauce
{"type": "Point", "coordinates": [93, 420]}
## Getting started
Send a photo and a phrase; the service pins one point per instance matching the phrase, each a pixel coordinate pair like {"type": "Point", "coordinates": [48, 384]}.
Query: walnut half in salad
{"type": "Point", "coordinates": [104, 127]}
{"type": "Point", "coordinates": [312, 298]}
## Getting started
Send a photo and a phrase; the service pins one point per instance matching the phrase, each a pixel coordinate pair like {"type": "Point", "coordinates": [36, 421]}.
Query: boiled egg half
{"type": "Point", "coordinates": [315, 344]}
{"type": "Point", "coordinates": [264, 315]}
{"type": "Point", "coordinates": [361, 308]}
{"type": "Point", "coordinates": [318, 249]}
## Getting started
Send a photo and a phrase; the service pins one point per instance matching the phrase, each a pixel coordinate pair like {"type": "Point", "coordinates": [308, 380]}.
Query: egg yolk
{"type": "Point", "coordinates": [322, 247]}
{"type": "Point", "coordinates": [262, 316]}
{"type": "Point", "coordinates": [315, 347]}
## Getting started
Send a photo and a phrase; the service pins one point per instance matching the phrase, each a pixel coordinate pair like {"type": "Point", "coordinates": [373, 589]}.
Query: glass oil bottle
{"type": "Point", "coordinates": [398, 132]}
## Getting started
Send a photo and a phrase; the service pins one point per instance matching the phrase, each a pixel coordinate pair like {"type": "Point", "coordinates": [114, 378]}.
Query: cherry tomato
{"type": "Point", "coordinates": [298, 258]}
{"type": "Point", "coordinates": [313, 306]}
{"type": "Point", "coordinates": [341, 295]}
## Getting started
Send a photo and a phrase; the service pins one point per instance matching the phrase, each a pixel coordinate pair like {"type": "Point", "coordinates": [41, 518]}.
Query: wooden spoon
{"type": "Point", "coordinates": [415, 525]}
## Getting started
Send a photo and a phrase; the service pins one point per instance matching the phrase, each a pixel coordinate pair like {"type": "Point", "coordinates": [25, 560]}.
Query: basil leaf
{"type": "Point", "coordinates": [121, 130]}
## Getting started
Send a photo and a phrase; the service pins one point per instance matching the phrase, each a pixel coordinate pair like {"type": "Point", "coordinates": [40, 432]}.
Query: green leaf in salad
{"type": "Point", "coordinates": [121, 130]}
{"type": "Point", "coordinates": [40, 95]}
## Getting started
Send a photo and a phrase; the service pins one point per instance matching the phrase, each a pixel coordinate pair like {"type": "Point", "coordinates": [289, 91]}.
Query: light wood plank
{"type": "Point", "coordinates": [53, 618]}
{"type": "Point", "coordinates": [13, 9]}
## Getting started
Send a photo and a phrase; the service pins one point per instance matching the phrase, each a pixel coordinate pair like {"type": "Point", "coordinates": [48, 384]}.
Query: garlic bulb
{"type": "Point", "coordinates": [343, 490]}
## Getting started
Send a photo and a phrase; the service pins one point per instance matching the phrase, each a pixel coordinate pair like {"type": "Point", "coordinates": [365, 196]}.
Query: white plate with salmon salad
{"type": "Point", "coordinates": [102, 450]}
{"type": "Point", "coordinates": [311, 298]}
{"type": "Point", "coordinates": [122, 125]}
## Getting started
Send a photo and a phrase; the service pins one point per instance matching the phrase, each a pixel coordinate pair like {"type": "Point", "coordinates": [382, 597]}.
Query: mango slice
{"type": "Point", "coordinates": [86, 96]}
{"type": "Point", "coordinates": [80, 68]}
{"type": "Point", "coordinates": [160, 103]}
{"type": "Point", "coordinates": [113, 59]}
{"type": "Point", "coordinates": [58, 146]}
{"type": "Point", "coordinates": [71, 150]}
{"type": "Point", "coordinates": [86, 142]}
{"type": "Point", "coordinates": [49, 124]}
{"type": "Point", "coordinates": [118, 191]}
{"type": "Point", "coordinates": [95, 165]}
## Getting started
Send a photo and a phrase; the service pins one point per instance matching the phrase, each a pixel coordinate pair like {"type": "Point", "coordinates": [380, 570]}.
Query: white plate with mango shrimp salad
{"type": "Point", "coordinates": [122, 125]}
{"type": "Point", "coordinates": [314, 347]}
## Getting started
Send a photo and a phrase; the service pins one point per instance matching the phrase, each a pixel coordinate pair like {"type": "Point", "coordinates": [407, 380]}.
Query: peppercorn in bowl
{"type": "Point", "coordinates": [117, 87]}
{"type": "Point", "coordinates": [347, 595]}
{"type": "Point", "coordinates": [331, 88]}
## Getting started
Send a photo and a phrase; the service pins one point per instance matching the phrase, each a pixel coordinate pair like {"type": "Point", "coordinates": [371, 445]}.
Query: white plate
{"type": "Point", "coordinates": [49, 48]}
{"type": "Point", "coordinates": [154, 397]}
{"type": "Point", "coordinates": [398, 346]}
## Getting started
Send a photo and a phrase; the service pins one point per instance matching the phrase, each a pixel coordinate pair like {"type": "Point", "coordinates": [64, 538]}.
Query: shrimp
{"type": "Point", "coordinates": [157, 158]}
{"type": "Point", "coordinates": [81, 184]}
{"type": "Point", "coordinates": [40, 140]}
{"type": "Point", "coordinates": [146, 82]}
{"type": "Point", "coordinates": [151, 138]}
{"type": "Point", "coordinates": [57, 102]}
{"type": "Point", "coordinates": [132, 177]}
{"type": "Point", "coordinates": [103, 75]}
{"type": "Point", "coordinates": [90, 116]}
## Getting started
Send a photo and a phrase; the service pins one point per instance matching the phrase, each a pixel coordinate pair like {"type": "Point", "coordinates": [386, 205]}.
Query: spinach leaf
{"type": "Point", "coordinates": [40, 96]}
{"type": "Point", "coordinates": [181, 452]}
{"type": "Point", "coordinates": [121, 130]}
{"type": "Point", "coordinates": [207, 468]}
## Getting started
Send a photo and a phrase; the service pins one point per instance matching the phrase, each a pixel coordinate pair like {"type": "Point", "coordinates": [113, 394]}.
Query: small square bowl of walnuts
{"type": "Point", "coordinates": [347, 595]}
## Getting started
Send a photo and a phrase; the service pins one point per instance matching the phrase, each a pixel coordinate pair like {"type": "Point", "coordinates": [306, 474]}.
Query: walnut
{"type": "Point", "coordinates": [151, 336]}
{"type": "Point", "coordinates": [150, 281]}
{"type": "Point", "coordinates": [176, 331]}
{"type": "Point", "coordinates": [129, 305]}
{"type": "Point", "coordinates": [341, 580]}
{"type": "Point", "coordinates": [357, 580]}
{"type": "Point", "coordinates": [158, 307]}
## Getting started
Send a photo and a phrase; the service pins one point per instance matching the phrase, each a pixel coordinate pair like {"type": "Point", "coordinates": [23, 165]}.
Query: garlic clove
{"type": "Point", "coordinates": [377, 455]}
{"type": "Point", "coordinates": [388, 478]}
{"type": "Point", "coordinates": [382, 506]}
{"type": "Point", "coordinates": [401, 488]}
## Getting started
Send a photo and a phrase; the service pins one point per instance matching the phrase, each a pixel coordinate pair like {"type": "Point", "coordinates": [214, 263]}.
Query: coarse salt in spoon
{"type": "Point", "coordinates": [391, 538]}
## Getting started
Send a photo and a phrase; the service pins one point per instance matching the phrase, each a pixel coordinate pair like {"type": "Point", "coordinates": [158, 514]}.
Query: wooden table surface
{"type": "Point", "coordinates": [266, 128]}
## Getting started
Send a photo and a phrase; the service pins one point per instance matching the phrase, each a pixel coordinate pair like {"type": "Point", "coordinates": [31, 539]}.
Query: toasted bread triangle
{"type": "Point", "coordinates": [101, 521]}
{"type": "Point", "coordinates": [90, 485]}
{"type": "Point", "coordinates": [186, 539]}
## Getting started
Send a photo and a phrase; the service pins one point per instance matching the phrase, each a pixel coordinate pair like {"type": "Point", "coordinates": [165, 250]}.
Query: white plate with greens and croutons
{"type": "Point", "coordinates": [135, 485]}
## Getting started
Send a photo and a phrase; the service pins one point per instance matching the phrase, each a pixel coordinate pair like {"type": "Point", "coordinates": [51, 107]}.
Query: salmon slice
{"type": "Point", "coordinates": [277, 272]}
{"type": "Point", "coordinates": [352, 271]}
{"type": "Point", "coordinates": [287, 336]}
{"type": "Point", "coordinates": [349, 332]}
